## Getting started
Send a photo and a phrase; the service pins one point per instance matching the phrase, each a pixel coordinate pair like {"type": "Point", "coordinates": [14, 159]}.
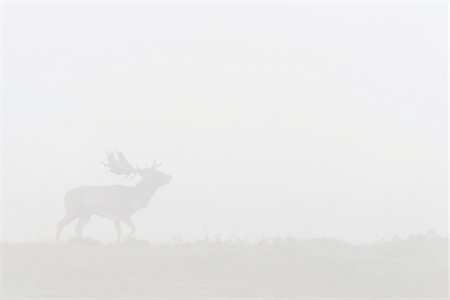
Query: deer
{"type": "Point", "coordinates": [115, 202]}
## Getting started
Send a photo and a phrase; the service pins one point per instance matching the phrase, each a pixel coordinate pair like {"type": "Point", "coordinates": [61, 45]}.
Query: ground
{"type": "Point", "coordinates": [415, 267]}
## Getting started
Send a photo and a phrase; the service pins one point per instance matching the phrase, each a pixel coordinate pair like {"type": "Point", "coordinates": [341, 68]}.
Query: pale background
{"type": "Point", "coordinates": [305, 120]}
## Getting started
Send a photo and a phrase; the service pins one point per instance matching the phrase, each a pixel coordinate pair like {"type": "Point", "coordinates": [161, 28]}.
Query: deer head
{"type": "Point", "coordinates": [119, 165]}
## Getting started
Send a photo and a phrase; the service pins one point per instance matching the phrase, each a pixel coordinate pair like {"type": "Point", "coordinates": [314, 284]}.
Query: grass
{"type": "Point", "coordinates": [412, 267]}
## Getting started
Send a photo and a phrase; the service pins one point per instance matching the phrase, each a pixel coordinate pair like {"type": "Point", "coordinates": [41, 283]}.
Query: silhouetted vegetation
{"type": "Point", "coordinates": [415, 266]}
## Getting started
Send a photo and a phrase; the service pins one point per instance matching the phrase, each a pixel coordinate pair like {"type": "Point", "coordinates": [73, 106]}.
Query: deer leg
{"type": "Point", "coordinates": [130, 224]}
{"type": "Point", "coordinates": [63, 223]}
{"type": "Point", "coordinates": [118, 230]}
{"type": "Point", "coordinates": [80, 225]}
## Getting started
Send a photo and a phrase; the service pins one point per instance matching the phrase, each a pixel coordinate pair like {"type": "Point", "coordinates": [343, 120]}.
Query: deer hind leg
{"type": "Point", "coordinates": [63, 223]}
{"type": "Point", "coordinates": [130, 224]}
{"type": "Point", "coordinates": [118, 230]}
{"type": "Point", "coordinates": [80, 225]}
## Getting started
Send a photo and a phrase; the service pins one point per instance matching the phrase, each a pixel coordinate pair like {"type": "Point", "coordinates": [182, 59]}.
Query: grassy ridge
{"type": "Point", "coordinates": [415, 267]}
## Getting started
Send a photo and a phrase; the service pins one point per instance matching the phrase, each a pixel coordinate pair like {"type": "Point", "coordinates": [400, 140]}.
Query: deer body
{"type": "Point", "coordinates": [116, 202]}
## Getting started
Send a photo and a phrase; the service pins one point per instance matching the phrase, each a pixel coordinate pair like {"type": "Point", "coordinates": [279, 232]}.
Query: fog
{"type": "Point", "coordinates": [275, 120]}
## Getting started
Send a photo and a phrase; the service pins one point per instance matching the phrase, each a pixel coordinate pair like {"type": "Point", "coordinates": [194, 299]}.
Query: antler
{"type": "Point", "coordinates": [155, 165]}
{"type": "Point", "coordinates": [119, 165]}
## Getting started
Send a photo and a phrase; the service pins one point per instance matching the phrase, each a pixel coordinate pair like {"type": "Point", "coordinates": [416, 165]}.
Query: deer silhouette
{"type": "Point", "coordinates": [116, 202]}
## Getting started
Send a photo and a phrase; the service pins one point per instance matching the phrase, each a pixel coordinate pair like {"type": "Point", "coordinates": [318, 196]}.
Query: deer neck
{"type": "Point", "coordinates": [146, 189]}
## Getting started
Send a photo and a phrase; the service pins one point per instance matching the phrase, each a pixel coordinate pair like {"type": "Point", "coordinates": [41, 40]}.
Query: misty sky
{"type": "Point", "coordinates": [306, 120]}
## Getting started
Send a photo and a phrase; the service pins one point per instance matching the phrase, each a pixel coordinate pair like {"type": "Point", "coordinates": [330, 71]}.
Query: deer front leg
{"type": "Point", "coordinates": [80, 225]}
{"type": "Point", "coordinates": [118, 230]}
{"type": "Point", "coordinates": [130, 224]}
